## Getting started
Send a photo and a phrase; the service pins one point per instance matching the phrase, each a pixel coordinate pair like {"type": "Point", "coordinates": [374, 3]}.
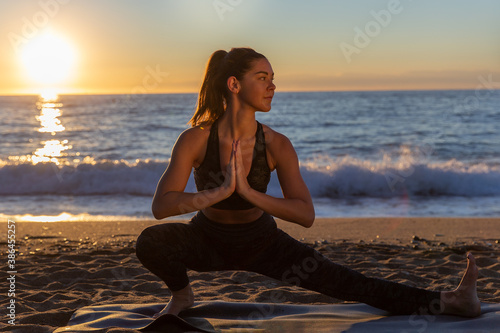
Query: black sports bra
{"type": "Point", "coordinates": [209, 174]}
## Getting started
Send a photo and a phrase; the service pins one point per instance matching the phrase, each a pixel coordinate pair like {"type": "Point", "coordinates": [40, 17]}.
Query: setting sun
{"type": "Point", "coordinates": [49, 58]}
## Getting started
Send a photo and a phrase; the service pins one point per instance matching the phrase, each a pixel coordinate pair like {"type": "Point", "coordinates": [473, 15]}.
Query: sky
{"type": "Point", "coordinates": [155, 46]}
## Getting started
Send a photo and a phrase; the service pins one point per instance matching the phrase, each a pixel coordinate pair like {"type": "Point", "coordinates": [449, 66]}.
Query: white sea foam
{"type": "Point", "coordinates": [340, 178]}
{"type": "Point", "coordinates": [383, 153]}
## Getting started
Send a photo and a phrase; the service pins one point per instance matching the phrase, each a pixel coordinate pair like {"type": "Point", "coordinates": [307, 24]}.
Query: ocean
{"type": "Point", "coordinates": [362, 154]}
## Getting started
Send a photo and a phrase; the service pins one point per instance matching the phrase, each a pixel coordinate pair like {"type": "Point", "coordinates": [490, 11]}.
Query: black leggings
{"type": "Point", "coordinates": [259, 246]}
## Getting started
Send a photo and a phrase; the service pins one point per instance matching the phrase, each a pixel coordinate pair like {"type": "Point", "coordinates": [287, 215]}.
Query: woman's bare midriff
{"type": "Point", "coordinates": [232, 216]}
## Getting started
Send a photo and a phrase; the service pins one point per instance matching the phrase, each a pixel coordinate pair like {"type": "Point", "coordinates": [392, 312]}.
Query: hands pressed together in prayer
{"type": "Point", "coordinates": [236, 177]}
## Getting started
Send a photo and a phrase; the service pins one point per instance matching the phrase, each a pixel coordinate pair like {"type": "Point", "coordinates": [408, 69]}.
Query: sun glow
{"type": "Point", "coordinates": [48, 95]}
{"type": "Point", "coordinates": [49, 59]}
{"type": "Point", "coordinates": [46, 218]}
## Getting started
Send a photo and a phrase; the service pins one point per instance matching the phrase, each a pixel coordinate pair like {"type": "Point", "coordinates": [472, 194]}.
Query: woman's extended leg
{"type": "Point", "coordinates": [463, 301]}
{"type": "Point", "coordinates": [168, 249]}
{"type": "Point", "coordinates": [293, 262]}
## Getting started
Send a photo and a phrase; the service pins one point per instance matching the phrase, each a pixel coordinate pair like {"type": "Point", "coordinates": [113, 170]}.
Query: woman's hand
{"type": "Point", "coordinates": [229, 184]}
{"type": "Point", "coordinates": [296, 205]}
{"type": "Point", "coordinates": [242, 186]}
{"type": "Point", "coordinates": [235, 178]}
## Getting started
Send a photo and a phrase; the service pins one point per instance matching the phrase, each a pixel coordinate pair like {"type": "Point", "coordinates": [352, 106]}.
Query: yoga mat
{"type": "Point", "coordinates": [270, 317]}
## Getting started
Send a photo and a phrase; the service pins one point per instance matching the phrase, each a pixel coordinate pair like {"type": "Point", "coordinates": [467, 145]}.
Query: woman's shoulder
{"type": "Point", "coordinates": [278, 146]}
{"type": "Point", "coordinates": [192, 143]}
{"type": "Point", "coordinates": [280, 150]}
{"type": "Point", "coordinates": [193, 137]}
{"type": "Point", "coordinates": [274, 138]}
{"type": "Point", "coordinates": [195, 133]}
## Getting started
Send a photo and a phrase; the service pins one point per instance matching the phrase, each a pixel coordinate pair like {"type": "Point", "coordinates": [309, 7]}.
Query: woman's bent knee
{"type": "Point", "coordinates": [144, 244]}
{"type": "Point", "coordinates": [164, 239]}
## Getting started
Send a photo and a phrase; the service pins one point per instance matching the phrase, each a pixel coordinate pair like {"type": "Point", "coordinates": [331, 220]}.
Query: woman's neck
{"type": "Point", "coordinates": [238, 123]}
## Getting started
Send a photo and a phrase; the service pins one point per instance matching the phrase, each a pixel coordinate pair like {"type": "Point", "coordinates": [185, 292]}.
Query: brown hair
{"type": "Point", "coordinates": [214, 93]}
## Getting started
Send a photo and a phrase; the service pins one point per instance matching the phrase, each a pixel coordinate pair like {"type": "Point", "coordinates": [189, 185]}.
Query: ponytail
{"type": "Point", "coordinates": [210, 100]}
{"type": "Point", "coordinates": [214, 94]}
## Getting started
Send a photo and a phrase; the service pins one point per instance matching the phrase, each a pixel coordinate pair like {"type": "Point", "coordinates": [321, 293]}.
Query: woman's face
{"type": "Point", "coordinates": [257, 87]}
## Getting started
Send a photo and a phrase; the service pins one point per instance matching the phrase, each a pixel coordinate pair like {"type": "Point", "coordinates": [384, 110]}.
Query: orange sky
{"type": "Point", "coordinates": [162, 46]}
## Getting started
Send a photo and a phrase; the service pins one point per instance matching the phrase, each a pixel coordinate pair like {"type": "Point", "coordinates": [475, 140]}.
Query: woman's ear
{"type": "Point", "coordinates": [233, 84]}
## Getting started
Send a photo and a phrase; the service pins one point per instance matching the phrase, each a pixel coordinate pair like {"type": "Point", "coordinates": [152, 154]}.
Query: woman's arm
{"type": "Point", "coordinates": [296, 205]}
{"type": "Point", "coordinates": [170, 198]}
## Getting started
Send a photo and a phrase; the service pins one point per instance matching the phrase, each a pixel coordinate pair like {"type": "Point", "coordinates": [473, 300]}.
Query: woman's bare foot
{"type": "Point", "coordinates": [463, 301]}
{"type": "Point", "coordinates": [180, 300]}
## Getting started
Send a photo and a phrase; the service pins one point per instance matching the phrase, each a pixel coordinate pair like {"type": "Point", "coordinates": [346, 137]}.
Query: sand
{"type": "Point", "coordinates": [63, 266]}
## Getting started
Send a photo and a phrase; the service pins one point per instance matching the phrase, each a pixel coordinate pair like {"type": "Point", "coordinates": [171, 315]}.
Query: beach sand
{"type": "Point", "coordinates": [64, 266]}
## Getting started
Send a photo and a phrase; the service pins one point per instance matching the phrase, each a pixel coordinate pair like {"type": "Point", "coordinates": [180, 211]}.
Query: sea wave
{"type": "Point", "coordinates": [341, 178]}
{"type": "Point", "coordinates": [382, 179]}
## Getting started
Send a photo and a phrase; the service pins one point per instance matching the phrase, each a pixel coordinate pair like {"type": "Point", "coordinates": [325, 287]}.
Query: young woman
{"type": "Point", "coordinates": [233, 155]}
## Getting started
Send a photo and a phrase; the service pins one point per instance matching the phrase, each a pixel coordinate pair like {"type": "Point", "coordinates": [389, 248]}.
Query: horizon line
{"type": "Point", "coordinates": [196, 92]}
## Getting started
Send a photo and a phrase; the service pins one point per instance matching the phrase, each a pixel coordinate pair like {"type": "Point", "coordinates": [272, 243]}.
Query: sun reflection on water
{"type": "Point", "coordinates": [51, 150]}
{"type": "Point", "coordinates": [50, 109]}
{"type": "Point", "coordinates": [48, 120]}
